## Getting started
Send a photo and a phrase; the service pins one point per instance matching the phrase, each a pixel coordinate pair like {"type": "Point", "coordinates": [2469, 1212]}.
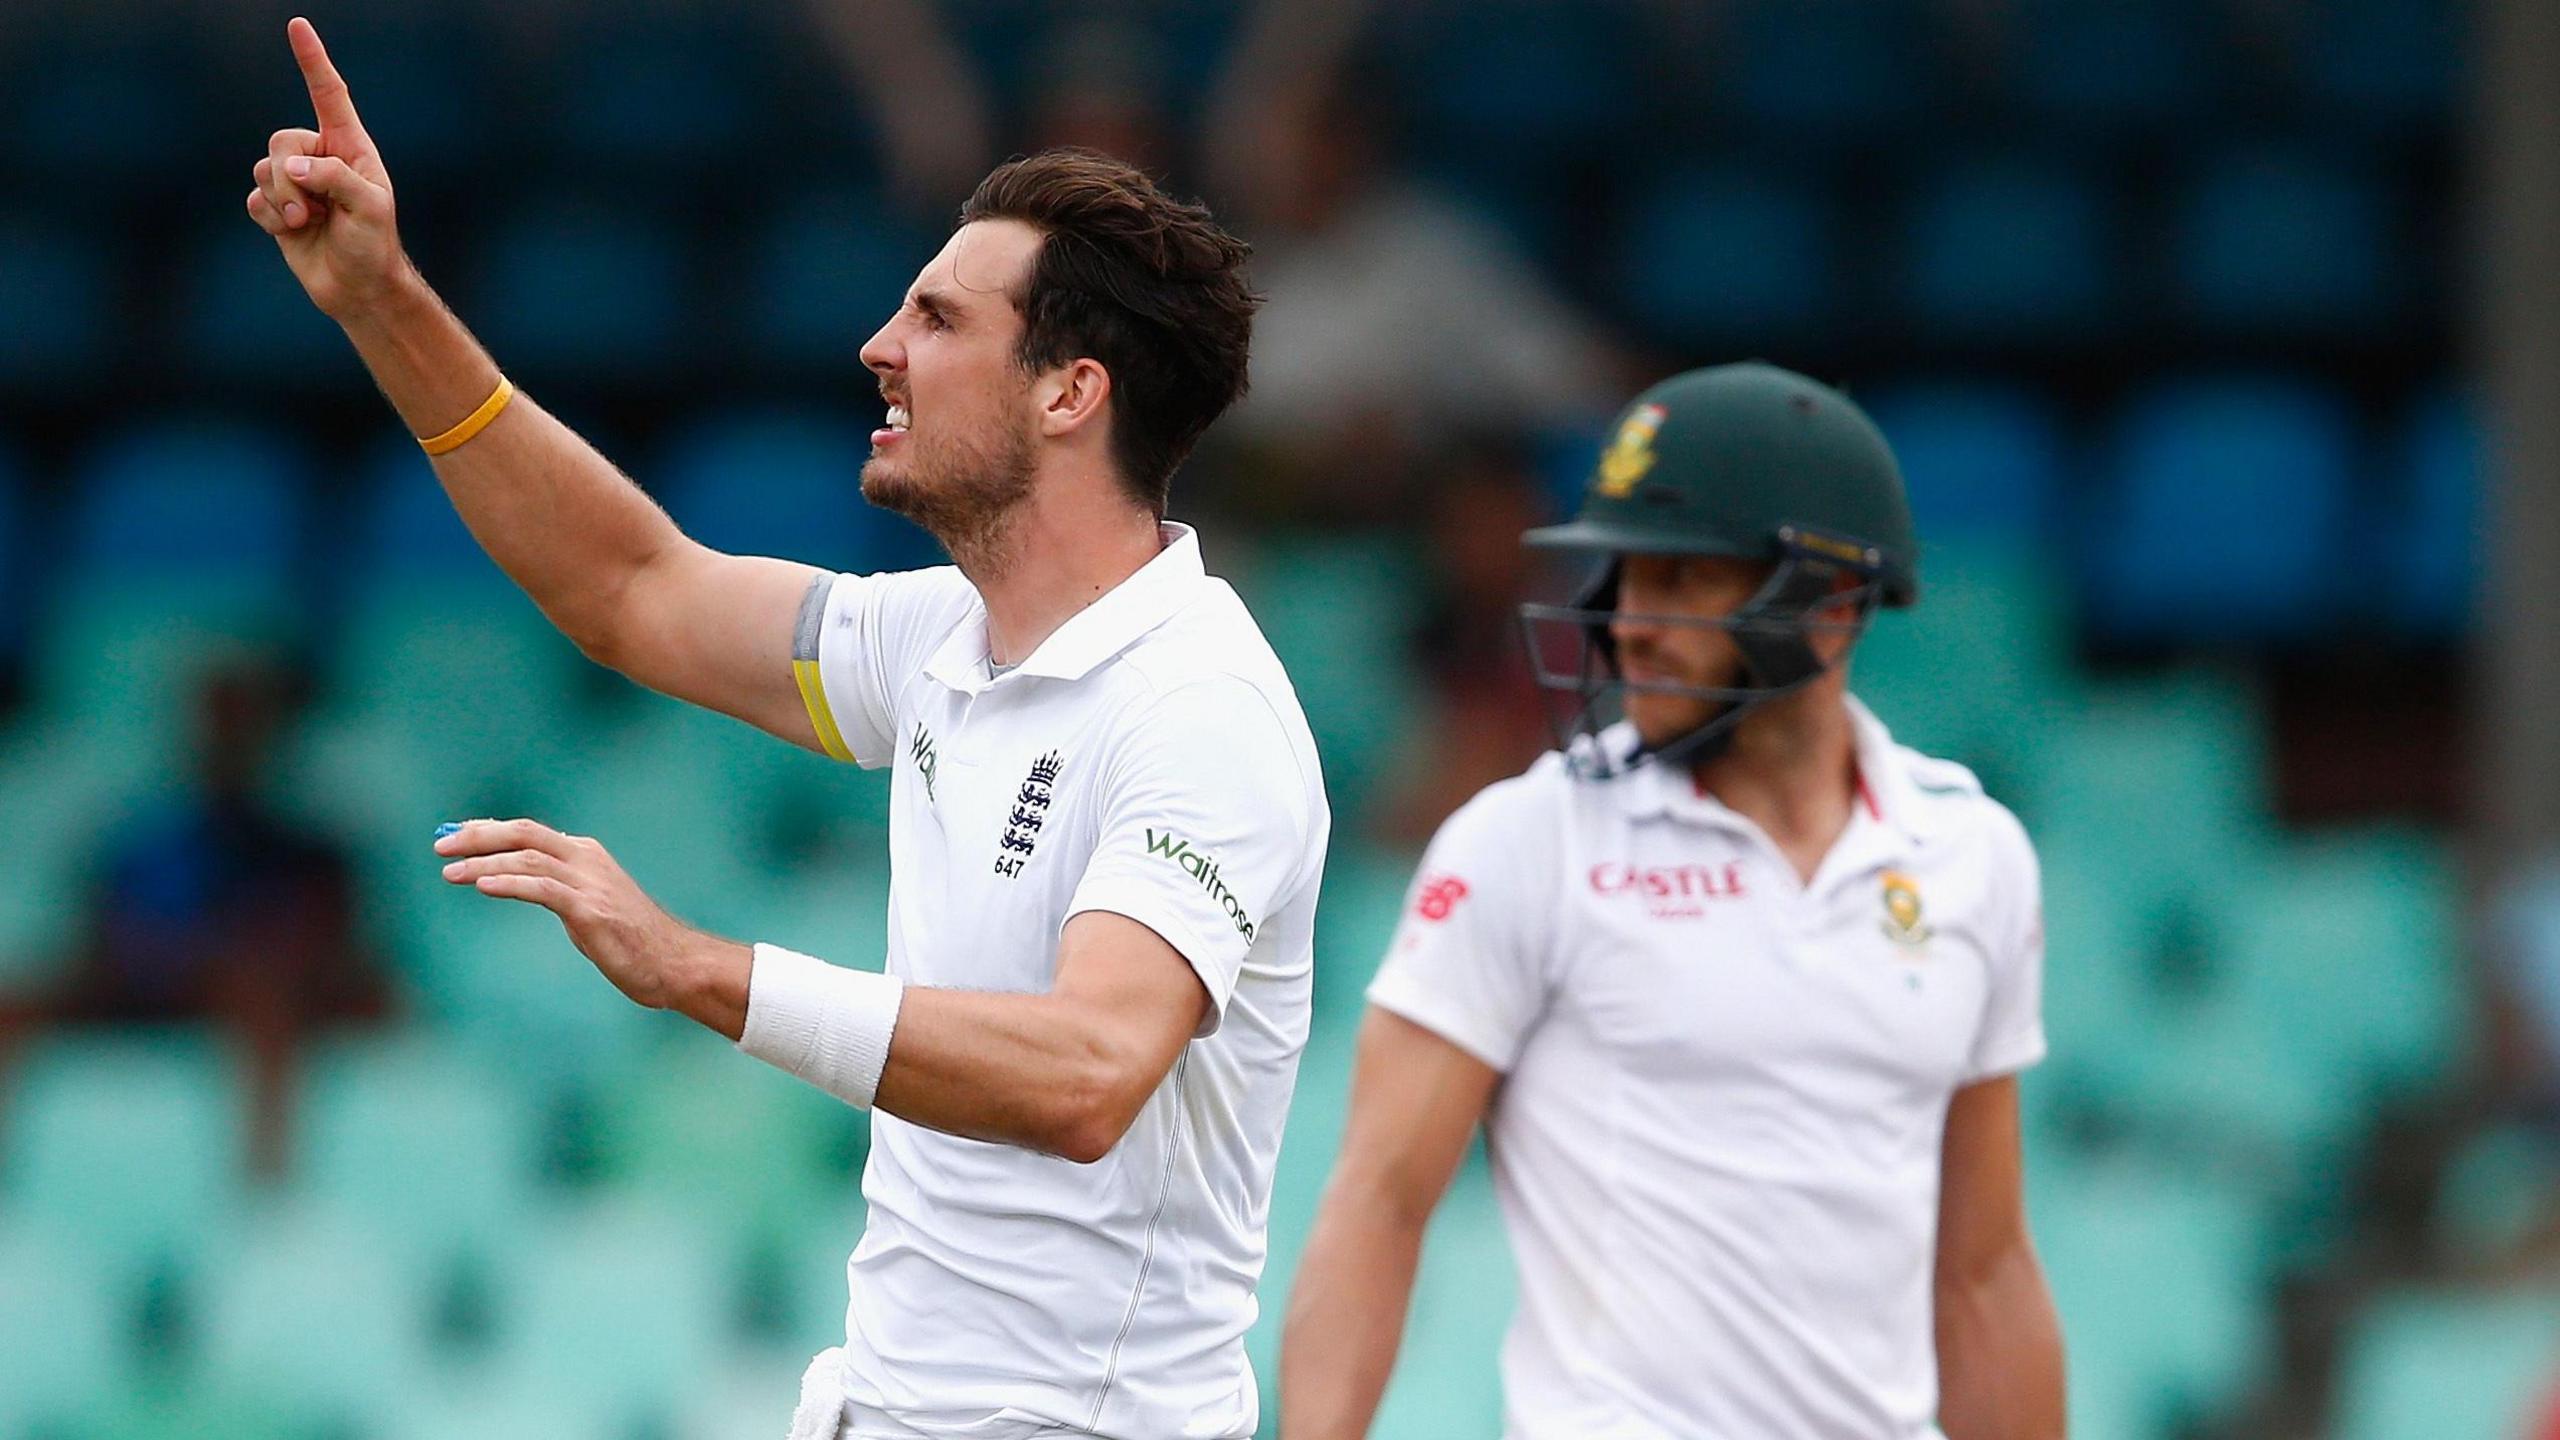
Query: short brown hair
{"type": "Point", "coordinates": [1145, 284]}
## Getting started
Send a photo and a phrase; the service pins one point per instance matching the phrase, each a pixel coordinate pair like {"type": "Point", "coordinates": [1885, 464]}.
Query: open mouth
{"type": "Point", "coordinates": [893, 429]}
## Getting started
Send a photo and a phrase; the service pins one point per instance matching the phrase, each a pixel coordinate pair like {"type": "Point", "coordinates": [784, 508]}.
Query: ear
{"type": "Point", "coordinates": [1071, 397]}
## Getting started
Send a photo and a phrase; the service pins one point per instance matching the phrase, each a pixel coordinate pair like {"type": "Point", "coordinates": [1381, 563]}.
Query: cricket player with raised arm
{"type": "Point", "coordinates": [1107, 823]}
{"type": "Point", "coordinates": [1738, 988]}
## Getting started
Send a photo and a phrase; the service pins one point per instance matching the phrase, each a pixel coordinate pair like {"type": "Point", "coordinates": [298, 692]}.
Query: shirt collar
{"type": "Point", "coordinates": [1886, 792]}
{"type": "Point", "coordinates": [1111, 624]}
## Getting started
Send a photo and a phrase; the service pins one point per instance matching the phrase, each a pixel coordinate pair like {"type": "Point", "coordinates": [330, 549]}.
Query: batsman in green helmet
{"type": "Point", "coordinates": [1737, 988]}
{"type": "Point", "coordinates": [1741, 478]}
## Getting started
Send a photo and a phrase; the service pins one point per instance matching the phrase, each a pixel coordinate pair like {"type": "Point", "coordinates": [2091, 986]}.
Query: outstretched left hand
{"type": "Point", "coordinates": [648, 954]}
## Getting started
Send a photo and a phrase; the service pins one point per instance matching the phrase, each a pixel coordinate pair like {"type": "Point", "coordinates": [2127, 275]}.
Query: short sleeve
{"type": "Point", "coordinates": [1208, 824]}
{"type": "Point", "coordinates": [858, 639]}
{"type": "Point", "coordinates": [1472, 958]}
{"type": "Point", "coordinates": [2012, 1033]}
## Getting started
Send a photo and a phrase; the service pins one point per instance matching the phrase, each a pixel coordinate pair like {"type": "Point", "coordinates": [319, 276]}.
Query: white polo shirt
{"type": "Point", "coordinates": [1150, 759]}
{"type": "Point", "coordinates": [1717, 1141]}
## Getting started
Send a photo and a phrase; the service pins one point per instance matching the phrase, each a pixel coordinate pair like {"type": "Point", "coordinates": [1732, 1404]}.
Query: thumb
{"type": "Point", "coordinates": [335, 178]}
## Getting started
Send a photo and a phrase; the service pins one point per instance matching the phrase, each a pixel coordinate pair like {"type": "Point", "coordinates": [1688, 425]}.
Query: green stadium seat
{"type": "Point", "coordinates": [469, 689]}
{"type": "Point", "coordinates": [178, 1405]}
{"type": "Point", "coordinates": [314, 1316]}
{"type": "Point", "coordinates": [836, 908]}
{"type": "Point", "coordinates": [428, 1151]}
{"type": "Point", "coordinates": [747, 1397]}
{"type": "Point", "coordinates": [2160, 782]}
{"type": "Point", "coordinates": [118, 667]}
{"type": "Point", "coordinates": [1336, 612]}
{"type": "Point", "coordinates": [2157, 1279]}
{"type": "Point", "coordinates": [2497, 1189]}
{"type": "Point", "coordinates": [2424, 1365]}
{"type": "Point", "coordinates": [616, 1305]}
{"type": "Point", "coordinates": [727, 810]}
{"type": "Point", "coordinates": [809, 1276]}
{"type": "Point", "coordinates": [58, 786]}
{"type": "Point", "coordinates": [1447, 1378]}
{"type": "Point", "coordinates": [707, 1131]}
{"type": "Point", "coordinates": [514, 992]}
{"type": "Point", "coordinates": [2095, 1016]}
{"type": "Point", "coordinates": [2350, 947]}
{"type": "Point", "coordinates": [1357, 914]}
{"type": "Point", "coordinates": [134, 1143]}
{"type": "Point", "coordinates": [60, 1310]}
{"type": "Point", "coordinates": [483, 1403]}
{"type": "Point", "coordinates": [1317, 1111]}
{"type": "Point", "coordinates": [1980, 670]}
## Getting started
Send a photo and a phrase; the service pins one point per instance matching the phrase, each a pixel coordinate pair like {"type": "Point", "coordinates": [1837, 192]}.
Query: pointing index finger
{"type": "Point", "coordinates": [329, 98]}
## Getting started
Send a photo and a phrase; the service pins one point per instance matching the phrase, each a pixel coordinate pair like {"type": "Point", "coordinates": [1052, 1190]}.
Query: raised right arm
{"type": "Point", "coordinates": [603, 562]}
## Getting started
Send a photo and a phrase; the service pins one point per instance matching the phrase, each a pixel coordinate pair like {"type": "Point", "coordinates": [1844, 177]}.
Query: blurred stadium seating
{"type": "Point", "coordinates": [2147, 339]}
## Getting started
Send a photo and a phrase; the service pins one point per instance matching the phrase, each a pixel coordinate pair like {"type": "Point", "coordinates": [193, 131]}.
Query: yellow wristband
{"type": "Point", "coordinates": [473, 423]}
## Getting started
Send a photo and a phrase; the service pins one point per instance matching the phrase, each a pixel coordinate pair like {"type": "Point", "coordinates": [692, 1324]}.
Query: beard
{"type": "Point", "coordinates": [964, 492]}
{"type": "Point", "coordinates": [1662, 718]}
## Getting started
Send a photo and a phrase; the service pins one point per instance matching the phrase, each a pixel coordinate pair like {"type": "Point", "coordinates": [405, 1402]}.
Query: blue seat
{"type": "Point", "coordinates": [2008, 248]}
{"type": "Point", "coordinates": [786, 483]}
{"type": "Point", "coordinates": [2280, 238]}
{"type": "Point", "coordinates": [2111, 68]}
{"type": "Point", "coordinates": [1833, 69]}
{"type": "Point", "coordinates": [190, 500]}
{"type": "Point", "coordinates": [16, 562]}
{"type": "Point", "coordinates": [406, 530]}
{"type": "Point", "coordinates": [427, 97]}
{"type": "Point", "coordinates": [57, 307]}
{"type": "Point", "coordinates": [575, 290]}
{"type": "Point", "coordinates": [654, 97]}
{"type": "Point", "coordinates": [1983, 462]}
{"type": "Point", "coordinates": [241, 314]}
{"type": "Point", "coordinates": [1726, 255]}
{"type": "Point", "coordinates": [107, 104]}
{"type": "Point", "coordinates": [2430, 524]}
{"type": "Point", "coordinates": [1531, 83]}
{"type": "Point", "coordinates": [2225, 513]}
{"type": "Point", "coordinates": [2384, 64]}
{"type": "Point", "coordinates": [827, 274]}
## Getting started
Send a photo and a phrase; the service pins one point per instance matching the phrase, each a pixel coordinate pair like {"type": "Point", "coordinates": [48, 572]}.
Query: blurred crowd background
{"type": "Point", "coordinates": [2164, 304]}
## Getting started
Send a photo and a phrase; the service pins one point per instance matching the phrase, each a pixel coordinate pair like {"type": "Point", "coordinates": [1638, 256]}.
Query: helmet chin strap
{"type": "Point", "coordinates": [1777, 651]}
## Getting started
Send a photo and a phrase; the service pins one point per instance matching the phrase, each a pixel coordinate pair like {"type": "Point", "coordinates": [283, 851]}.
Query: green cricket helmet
{"type": "Point", "coordinates": [1748, 461]}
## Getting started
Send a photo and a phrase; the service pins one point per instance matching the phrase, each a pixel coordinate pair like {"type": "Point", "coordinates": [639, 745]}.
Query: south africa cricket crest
{"type": "Point", "coordinates": [1902, 922]}
{"type": "Point", "coordinates": [1630, 453]}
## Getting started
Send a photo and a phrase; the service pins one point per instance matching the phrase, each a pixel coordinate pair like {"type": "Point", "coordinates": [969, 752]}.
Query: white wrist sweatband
{"type": "Point", "coordinates": [824, 1023]}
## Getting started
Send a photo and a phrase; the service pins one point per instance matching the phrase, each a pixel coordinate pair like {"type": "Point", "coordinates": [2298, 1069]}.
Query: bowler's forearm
{"type": "Point", "coordinates": [1010, 1068]}
{"type": "Point", "coordinates": [1013, 1069]}
{"type": "Point", "coordinates": [2000, 1365]}
{"type": "Point", "coordinates": [554, 514]}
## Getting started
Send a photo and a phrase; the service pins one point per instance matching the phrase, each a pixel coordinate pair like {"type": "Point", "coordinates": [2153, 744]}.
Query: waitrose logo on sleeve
{"type": "Point", "coordinates": [1204, 870]}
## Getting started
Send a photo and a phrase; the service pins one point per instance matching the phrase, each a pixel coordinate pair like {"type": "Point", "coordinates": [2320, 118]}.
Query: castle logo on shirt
{"type": "Point", "coordinates": [1902, 922]}
{"type": "Point", "coordinates": [1200, 867]}
{"type": "Point", "coordinates": [1030, 812]}
{"type": "Point", "coordinates": [1670, 892]}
